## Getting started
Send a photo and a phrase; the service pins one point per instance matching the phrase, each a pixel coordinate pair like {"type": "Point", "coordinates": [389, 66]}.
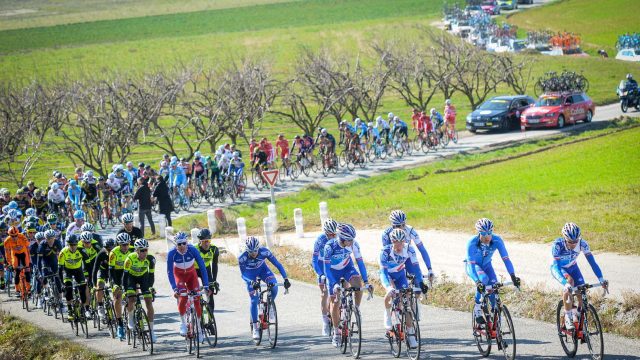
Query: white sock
{"type": "Point", "coordinates": [151, 325]}
{"type": "Point", "coordinates": [183, 320]}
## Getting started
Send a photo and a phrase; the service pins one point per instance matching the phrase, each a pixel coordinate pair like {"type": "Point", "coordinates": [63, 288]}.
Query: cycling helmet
{"type": "Point", "coordinates": [88, 227]}
{"type": "Point", "coordinates": [129, 163]}
{"type": "Point", "coordinates": [395, 118]}
{"type": "Point", "coordinates": [141, 244]}
{"type": "Point", "coordinates": [55, 186]}
{"type": "Point", "coordinates": [390, 116]}
{"type": "Point", "coordinates": [37, 192]}
{"type": "Point", "coordinates": [252, 244]}
{"type": "Point", "coordinates": [127, 218]}
{"type": "Point", "coordinates": [50, 233]}
{"type": "Point", "coordinates": [571, 232]}
{"type": "Point", "coordinates": [112, 176]}
{"type": "Point", "coordinates": [370, 124]}
{"type": "Point", "coordinates": [73, 240]}
{"type": "Point", "coordinates": [40, 236]}
{"type": "Point", "coordinates": [181, 237]}
{"type": "Point", "coordinates": [397, 217]}
{"type": "Point", "coordinates": [101, 178]}
{"type": "Point", "coordinates": [484, 224]}
{"type": "Point", "coordinates": [52, 218]}
{"type": "Point", "coordinates": [89, 173]}
{"type": "Point", "coordinates": [343, 122]}
{"type": "Point", "coordinates": [346, 232]}
{"type": "Point", "coordinates": [629, 77]}
{"type": "Point", "coordinates": [31, 228]}
{"type": "Point", "coordinates": [237, 154]}
{"type": "Point", "coordinates": [86, 237]}
{"type": "Point", "coordinates": [73, 183]}
{"type": "Point", "coordinates": [30, 212]}
{"type": "Point", "coordinates": [432, 111]}
{"type": "Point", "coordinates": [379, 119]}
{"type": "Point", "coordinates": [447, 102]}
{"type": "Point", "coordinates": [19, 192]}
{"type": "Point", "coordinates": [123, 238]}
{"type": "Point", "coordinates": [174, 163]}
{"type": "Point", "coordinates": [397, 235]}
{"type": "Point", "coordinates": [357, 120]}
{"type": "Point", "coordinates": [13, 205]}
{"type": "Point", "coordinates": [330, 226]}
{"type": "Point", "coordinates": [141, 164]}
{"type": "Point", "coordinates": [204, 234]}
{"type": "Point", "coordinates": [109, 244]}
{"type": "Point", "coordinates": [5, 209]}
{"type": "Point", "coordinates": [183, 159]}
{"type": "Point", "coordinates": [197, 154]}
{"type": "Point", "coordinates": [324, 131]}
{"type": "Point", "coordinates": [14, 214]}
{"type": "Point", "coordinates": [79, 214]}
{"type": "Point", "coordinates": [13, 231]}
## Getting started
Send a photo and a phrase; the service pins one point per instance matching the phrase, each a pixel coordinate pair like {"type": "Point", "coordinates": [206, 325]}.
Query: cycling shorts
{"type": "Point", "coordinates": [573, 271]}
{"type": "Point", "coordinates": [134, 281]}
{"type": "Point", "coordinates": [347, 273]}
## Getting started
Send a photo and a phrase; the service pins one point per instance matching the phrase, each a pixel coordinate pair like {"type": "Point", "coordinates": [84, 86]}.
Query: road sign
{"type": "Point", "coordinates": [270, 176]}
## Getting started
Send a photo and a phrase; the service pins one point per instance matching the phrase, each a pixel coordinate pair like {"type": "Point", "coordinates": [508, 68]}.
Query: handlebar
{"type": "Point", "coordinates": [579, 288]}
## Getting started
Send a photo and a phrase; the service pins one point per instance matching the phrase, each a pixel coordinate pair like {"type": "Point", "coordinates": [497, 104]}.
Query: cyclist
{"type": "Point", "coordinates": [282, 148]}
{"type": "Point", "coordinates": [3, 236]}
{"type": "Point", "coordinates": [399, 126]}
{"type": "Point", "coordinates": [200, 174]}
{"type": "Point", "coordinates": [134, 232]}
{"type": "Point", "coordinates": [266, 146]}
{"type": "Point", "coordinates": [373, 133]}
{"type": "Point", "coordinates": [450, 115]}
{"type": "Point", "coordinates": [70, 262]}
{"type": "Point", "coordinates": [139, 269]}
{"type": "Point", "coordinates": [213, 166]}
{"type": "Point", "coordinates": [75, 228]}
{"type": "Point", "coordinates": [48, 252]}
{"type": "Point", "coordinates": [361, 132]}
{"type": "Point", "coordinates": [74, 196]}
{"type": "Point", "coordinates": [16, 247]}
{"type": "Point", "coordinates": [90, 228]}
{"type": "Point", "coordinates": [480, 249]}
{"type": "Point", "coordinates": [393, 275]}
{"type": "Point", "coordinates": [236, 167]}
{"type": "Point", "coordinates": [53, 224]}
{"type": "Point", "coordinates": [329, 228]}
{"type": "Point", "coordinates": [90, 190]}
{"type": "Point", "coordinates": [39, 202]}
{"type": "Point", "coordinates": [177, 178]}
{"type": "Point", "coordinates": [133, 172]}
{"type": "Point", "coordinates": [100, 275]}
{"type": "Point", "coordinates": [252, 263]}
{"type": "Point", "coordinates": [90, 249]}
{"type": "Point", "coordinates": [183, 276]}
{"type": "Point", "coordinates": [56, 197]}
{"type": "Point", "coordinates": [164, 169]}
{"type": "Point", "coordinates": [22, 199]}
{"type": "Point", "coordinates": [398, 220]}
{"type": "Point", "coordinates": [437, 121]}
{"type": "Point", "coordinates": [210, 255]}
{"type": "Point", "coordinates": [338, 263]}
{"type": "Point", "coordinates": [117, 256]}
{"type": "Point", "coordinates": [565, 251]}
{"type": "Point", "coordinates": [415, 120]}
{"type": "Point", "coordinates": [252, 148]}
{"type": "Point", "coordinates": [384, 128]}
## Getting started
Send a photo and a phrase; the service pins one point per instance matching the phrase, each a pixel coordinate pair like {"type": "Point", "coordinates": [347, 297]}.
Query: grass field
{"type": "Point", "coordinates": [594, 183]}
{"type": "Point", "coordinates": [598, 22]}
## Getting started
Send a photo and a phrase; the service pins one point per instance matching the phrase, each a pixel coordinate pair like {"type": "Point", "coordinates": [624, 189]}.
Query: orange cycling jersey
{"type": "Point", "coordinates": [17, 245]}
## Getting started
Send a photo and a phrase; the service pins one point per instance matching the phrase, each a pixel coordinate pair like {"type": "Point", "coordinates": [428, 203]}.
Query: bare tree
{"type": "Point", "coordinates": [516, 74]}
{"type": "Point", "coordinates": [366, 88]}
{"type": "Point", "coordinates": [27, 115]}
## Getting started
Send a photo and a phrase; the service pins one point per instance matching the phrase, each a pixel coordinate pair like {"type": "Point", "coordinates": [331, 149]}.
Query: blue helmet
{"type": "Point", "coordinates": [30, 212]}
{"type": "Point", "coordinates": [252, 244]}
{"type": "Point", "coordinates": [181, 237]}
{"type": "Point", "coordinates": [13, 205]}
{"type": "Point", "coordinates": [484, 225]}
{"type": "Point", "coordinates": [346, 232]}
{"type": "Point", "coordinates": [79, 214]}
{"type": "Point", "coordinates": [571, 232]}
{"type": "Point", "coordinates": [73, 183]}
{"type": "Point", "coordinates": [397, 217]}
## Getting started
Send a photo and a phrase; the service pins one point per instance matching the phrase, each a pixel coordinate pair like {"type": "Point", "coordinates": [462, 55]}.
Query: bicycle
{"type": "Point", "coordinates": [267, 312]}
{"type": "Point", "coordinates": [377, 150]}
{"type": "Point", "coordinates": [93, 211]}
{"type": "Point", "coordinates": [208, 321]}
{"type": "Point", "coordinates": [290, 169]}
{"type": "Point", "coordinates": [52, 297]}
{"type": "Point", "coordinates": [587, 327]}
{"type": "Point", "coordinates": [109, 310]}
{"type": "Point", "coordinates": [79, 320]}
{"type": "Point", "coordinates": [8, 280]}
{"type": "Point", "coordinates": [401, 311]}
{"type": "Point", "coordinates": [194, 328]}
{"type": "Point", "coordinates": [141, 330]}
{"type": "Point", "coordinates": [22, 287]}
{"type": "Point", "coordinates": [329, 163]}
{"type": "Point", "coordinates": [496, 319]}
{"type": "Point", "coordinates": [350, 320]}
{"type": "Point", "coordinates": [258, 179]}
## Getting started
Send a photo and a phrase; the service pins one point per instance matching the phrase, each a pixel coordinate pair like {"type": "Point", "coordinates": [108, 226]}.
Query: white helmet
{"type": "Point", "coordinates": [370, 124]}
{"type": "Point", "coordinates": [390, 116]}
{"type": "Point", "coordinates": [447, 102]}
{"type": "Point", "coordinates": [395, 118]}
{"type": "Point", "coordinates": [379, 119]}
{"type": "Point", "coordinates": [433, 111]}
{"type": "Point", "coordinates": [324, 131]}
{"type": "Point", "coordinates": [357, 120]}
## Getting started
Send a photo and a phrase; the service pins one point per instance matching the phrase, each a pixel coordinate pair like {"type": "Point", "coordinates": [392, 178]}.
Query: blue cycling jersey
{"type": "Point", "coordinates": [185, 262]}
{"type": "Point", "coordinates": [565, 258]}
{"type": "Point", "coordinates": [48, 255]}
{"type": "Point", "coordinates": [362, 130]}
{"type": "Point", "coordinates": [177, 176]}
{"type": "Point", "coordinates": [337, 258]}
{"type": "Point", "coordinates": [250, 268]}
{"type": "Point", "coordinates": [411, 236]}
{"type": "Point", "coordinates": [393, 264]}
{"type": "Point", "coordinates": [317, 260]}
{"type": "Point", "coordinates": [75, 195]}
{"type": "Point", "coordinates": [479, 256]}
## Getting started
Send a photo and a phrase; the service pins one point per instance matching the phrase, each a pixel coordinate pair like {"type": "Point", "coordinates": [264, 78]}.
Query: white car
{"type": "Point", "coordinates": [629, 55]}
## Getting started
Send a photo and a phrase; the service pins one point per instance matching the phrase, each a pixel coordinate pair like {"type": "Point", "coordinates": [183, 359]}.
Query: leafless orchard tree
{"type": "Point", "coordinates": [27, 116]}
{"type": "Point", "coordinates": [515, 73]}
{"type": "Point", "coordinates": [367, 87]}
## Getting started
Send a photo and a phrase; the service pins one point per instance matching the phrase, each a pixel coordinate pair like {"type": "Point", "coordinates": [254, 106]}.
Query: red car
{"type": "Point", "coordinates": [558, 109]}
{"type": "Point", "coordinates": [490, 7]}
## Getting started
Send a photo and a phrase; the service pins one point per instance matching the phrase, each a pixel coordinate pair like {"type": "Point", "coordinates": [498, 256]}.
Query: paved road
{"type": "Point", "coordinates": [446, 333]}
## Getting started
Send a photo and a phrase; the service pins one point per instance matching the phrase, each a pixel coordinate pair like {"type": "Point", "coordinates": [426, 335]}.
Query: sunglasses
{"type": "Point", "coordinates": [572, 242]}
{"type": "Point", "coordinates": [73, 245]}
{"type": "Point", "coordinates": [181, 244]}
{"type": "Point", "coordinates": [485, 233]}
{"type": "Point", "coordinates": [142, 250]}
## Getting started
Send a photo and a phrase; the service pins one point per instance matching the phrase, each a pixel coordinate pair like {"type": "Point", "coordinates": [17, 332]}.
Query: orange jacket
{"type": "Point", "coordinates": [19, 245]}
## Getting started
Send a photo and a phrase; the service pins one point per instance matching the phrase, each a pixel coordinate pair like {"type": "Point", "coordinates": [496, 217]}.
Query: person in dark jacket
{"type": "Point", "coordinates": [143, 196]}
{"type": "Point", "coordinates": [161, 193]}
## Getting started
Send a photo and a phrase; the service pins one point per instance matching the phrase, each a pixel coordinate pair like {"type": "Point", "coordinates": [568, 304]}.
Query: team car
{"type": "Point", "coordinates": [499, 113]}
{"type": "Point", "coordinates": [490, 7]}
{"type": "Point", "coordinates": [559, 109]}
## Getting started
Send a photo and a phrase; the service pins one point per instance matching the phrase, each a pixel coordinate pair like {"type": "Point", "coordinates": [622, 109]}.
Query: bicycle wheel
{"type": "Point", "coordinates": [255, 178]}
{"type": "Point", "coordinates": [454, 136]}
{"type": "Point", "coordinates": [506, 334]}
{"type": "Point", "coordinates": [272, 329]}
{"type": "Point", "coordinates": [382, 152]}
{"type": "Point", "coordinates": [412, 353]}
{"type": "Point", "coordinates": [210, 329]}
{"type": "Point", "coordinates": [568, 340]}
{"type": "Point", "coordinates": [399, 150]}
{"type": "Point", "coordinates": [84, 324]}
{"type": "Point", "coordinates": [343, 158]}
{"type": "Point", "coordinates": [593, 333]}
{"type": "Point", "coordinates": [395, 339]}
{"type": "Point", "coordinates": [445, 139]}
{"type": "Point", "coordinates": [482, 336]}
{"type": "Point", "coordinates": [282, 173]}
{"type": "Point", "coordinates": [294, 171]}
{"type": "Point", "coordinates": [417, 142]}
{"type": "Point", "coordinates": [355, 334]}
{"type": "Point", "coordinates": [538, 89]}
{"type": "Point", "coordinates": [110, 313]}
{"type": "Point", "coordinates": [144, 330]}
{"type": "Point", "coordinates": [406, 146]}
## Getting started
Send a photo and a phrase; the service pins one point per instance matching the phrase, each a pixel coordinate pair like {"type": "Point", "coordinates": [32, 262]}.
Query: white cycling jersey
{"type": "Point", "coordinates": [56, 196]}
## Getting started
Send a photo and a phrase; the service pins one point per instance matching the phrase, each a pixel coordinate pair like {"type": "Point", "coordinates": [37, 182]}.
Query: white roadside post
{"type": "Point", "coordinates": [297, 220]}
{"type": "Point", "coordinates": [169, 237]}
{"type": "Point", "coordinates": [194, 236]}
{"type": "Point", "coordinates": [273, 216]}
{"type": "Point", "coordinates": [324, 212]}
{"type": "Point", "coordinates": [242, 232]}
{"type": "Point", "coordinates": [162, 226]}
{"type": "Point", "coordinates": [268, 232]}
{"type": "Point", "coordinates": [211, 220]}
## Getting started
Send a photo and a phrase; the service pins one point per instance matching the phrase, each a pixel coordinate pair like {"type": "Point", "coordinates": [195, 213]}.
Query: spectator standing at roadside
{"type": "Point", "coordinates": [143, 196]}
{"type": "Point", "coordinates": [161, 193]}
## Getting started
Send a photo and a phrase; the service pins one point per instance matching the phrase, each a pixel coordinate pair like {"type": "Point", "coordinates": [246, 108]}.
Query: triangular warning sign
{"type": "Point", "coordinates": [270, 176]}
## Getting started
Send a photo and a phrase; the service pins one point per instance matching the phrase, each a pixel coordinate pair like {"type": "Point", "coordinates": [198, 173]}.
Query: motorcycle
{"type": "Point", "coordinates": [628, 98]}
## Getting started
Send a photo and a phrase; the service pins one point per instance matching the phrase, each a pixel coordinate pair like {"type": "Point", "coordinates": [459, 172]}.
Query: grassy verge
{"type": "Point", "coordinates": [613, 18]}
{"type": "Point", "coordinates": [594, 183]}
{"type": "Point", "coordinates": [22, 340]}
{"type": "Point", "coordinates": [618, 317]}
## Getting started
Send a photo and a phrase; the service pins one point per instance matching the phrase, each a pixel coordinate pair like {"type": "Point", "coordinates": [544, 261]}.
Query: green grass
{"type": "Point", "coordinates": [20, 339]}
{"type": "Point", "coordinates": [34, 13]}
{"type": "Point", "coordinates": [594, 183]}
{"type": "Point", "coordinates": [261, 17]}
{"type": "Point", "coordinates": [598, 22]}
